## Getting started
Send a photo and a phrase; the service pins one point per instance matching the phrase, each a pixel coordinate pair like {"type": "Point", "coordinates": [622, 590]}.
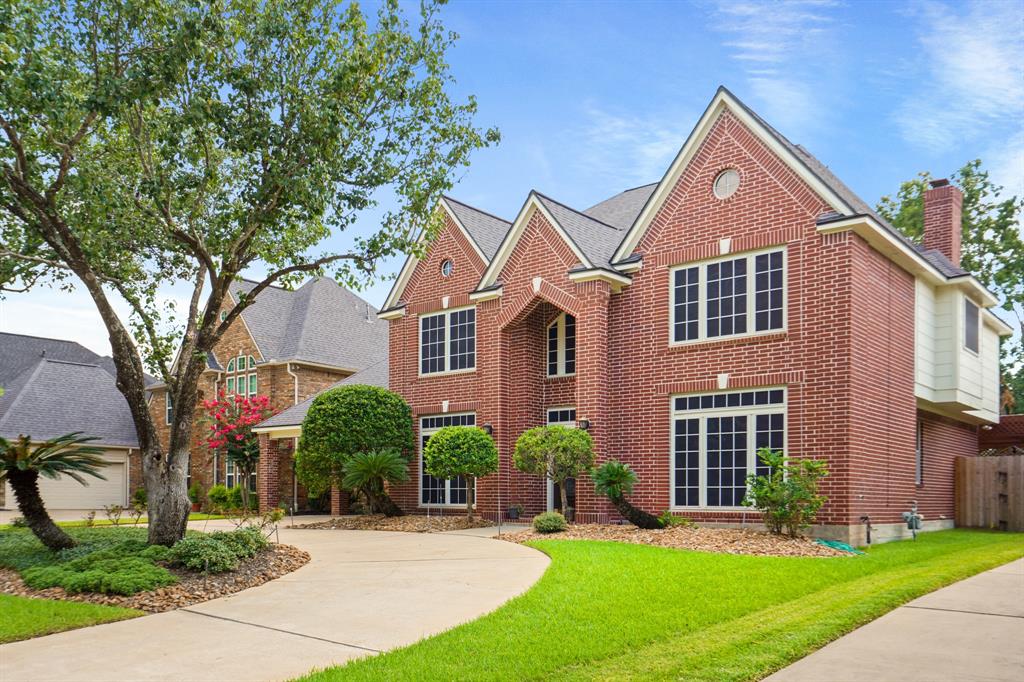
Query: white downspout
{"type": "Point", "coordinates": [295, 377]}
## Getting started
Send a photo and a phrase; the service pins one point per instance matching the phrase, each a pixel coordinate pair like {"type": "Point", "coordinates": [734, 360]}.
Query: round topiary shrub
{"type": "Point", "coordinates": [348, 420]}
{"type": "Point", "coordinates": [549, 522]}
{"type": "Point", "coordinates": [461, 451]}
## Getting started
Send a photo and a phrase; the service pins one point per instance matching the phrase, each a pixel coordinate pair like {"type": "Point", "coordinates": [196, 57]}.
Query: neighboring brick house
{"type": "Point", "coordinates": [288, 345]}
{"type": "Point", "coordinates": [53, 387]}
{"type": "Point", "coordinates": [747, 299]}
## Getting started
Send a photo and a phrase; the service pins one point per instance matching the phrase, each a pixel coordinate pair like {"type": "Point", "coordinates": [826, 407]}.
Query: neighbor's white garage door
{"type": "Point", "coordinates": [67, 493]}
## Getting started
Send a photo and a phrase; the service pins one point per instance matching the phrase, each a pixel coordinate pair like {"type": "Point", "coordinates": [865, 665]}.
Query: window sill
{"type": "Point", "coordinates": [453, 372]}
{"type": "Point", "coordinates": [681, 510]}
{"type": "Point", "coordinates": [461, 506]}
{"type": "Point", "coordinates": [762, 337]}
{"type": "Point", "coordinates": [556, 377]}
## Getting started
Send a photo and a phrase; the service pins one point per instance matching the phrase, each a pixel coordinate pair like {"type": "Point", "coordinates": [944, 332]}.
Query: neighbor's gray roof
{"type": "Point", "coordinates": [597, 240]}
{"type": "Point", "coordinates": [486, 230]}
{"type": "Point", "coordinates": [54, 397]}
{"type": "Point", "coordinates": [622, 209]}
{"type": "Point", "coordinates": [374, 375]}
{"type": "Point", "coordinates": [18, 352]}
{"type": "Point", "coordinates": [320, 322]}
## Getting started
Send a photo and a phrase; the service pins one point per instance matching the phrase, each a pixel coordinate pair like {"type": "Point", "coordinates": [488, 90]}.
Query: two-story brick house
{"type": "Point", "coordinates": [747, 299]}
{"type": "Point", "coordinates": [288, 345]}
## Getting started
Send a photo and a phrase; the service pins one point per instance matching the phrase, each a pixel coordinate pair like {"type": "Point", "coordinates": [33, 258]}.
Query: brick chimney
{"type": "Point", "coordinates": [942, 213]}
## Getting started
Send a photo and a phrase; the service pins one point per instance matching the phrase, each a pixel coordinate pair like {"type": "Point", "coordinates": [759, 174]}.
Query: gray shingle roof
{"type": "Point", "coordinates": [597, 240]}
{"type": "Point", "coordinates": [18, 352]}
{"type": "Point", "coordinates": [55, 397]}
{"type": "Point", "coordinates": [374, 375]}
{"type": "Point", "coordinates": [320, 322]}
{"type": "Point", "coordinates": [486, 230]}
{"type": "Point", "coordinates": [621, 210]}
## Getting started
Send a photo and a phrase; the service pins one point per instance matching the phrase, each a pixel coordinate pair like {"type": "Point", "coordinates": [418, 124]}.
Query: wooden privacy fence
{"type": "Point", "coordinates": [990, 492]}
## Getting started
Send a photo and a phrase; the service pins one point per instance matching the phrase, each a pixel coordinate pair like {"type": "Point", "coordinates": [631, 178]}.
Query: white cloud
{"type": "Point", "coordinates": [778, 46]}
{"type": "Point", "coordinates": [973, 84]}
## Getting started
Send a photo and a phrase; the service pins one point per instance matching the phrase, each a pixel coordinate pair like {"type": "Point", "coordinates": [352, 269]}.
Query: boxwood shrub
{"type": "Point", "coordinates": [549, 522]}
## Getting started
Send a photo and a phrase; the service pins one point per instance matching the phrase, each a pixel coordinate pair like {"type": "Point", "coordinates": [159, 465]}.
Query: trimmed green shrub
{"type": "Point", "coordinates": [670, 520]}
{"type": "Point", "coordinates": [103, 571]}
{"type": "Point", "coordinates": [787, 496]}
{"type": "Point", "coordinates": [243, 543]}
{"type": "Point", "coordinates": [549, 522]}
{"type": "Point", "coordinates": [344, 421]}
{"type": "Point", "coordinates": [139, 497]}
{"type": "Point", "coordinates": [555, 452]}
{"type": "Point", "coordinates": [204, 553]}
{"type": "Point", "coordinates": [219, 496]}
{"type": "Point", "coordinates": [461, 451]}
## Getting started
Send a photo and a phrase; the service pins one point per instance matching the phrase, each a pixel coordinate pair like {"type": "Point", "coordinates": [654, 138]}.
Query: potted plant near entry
{"type": "Point", "coordinates": [195, 494]}
{"type": "Point", "coordinates": [515, 511]}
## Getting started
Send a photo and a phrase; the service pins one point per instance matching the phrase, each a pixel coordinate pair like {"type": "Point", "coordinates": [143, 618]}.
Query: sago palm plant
{"type": "Point", "coordinates": [368, 472]}
{"type": "Point", "coordinates": [615, 481]}
{"type": "Point", "coordinates": [22, 464]}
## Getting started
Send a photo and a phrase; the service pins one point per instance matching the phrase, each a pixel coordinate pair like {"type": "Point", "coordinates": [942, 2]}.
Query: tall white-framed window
{"type": "Point", "coordinates": [561, 416]}
{"type": "Point", "coordinates": [715, 439]}
{"type": "Point", "coordinates": [168, 407]}
{"type": "Point", "coordinates": [252, 384]}
{"type": "Point", "coordinates": [448, 341]}
{"type": "Point", "coordinates": [229, 385]}
{"type": "Point", "coordinates": [919, 454]}
{"type": "Point", "coordinates": [971, 325]}
{"type": "Point", "coordinates": [441, 492]}
{"type": "Point", "coordinates": [562, 346]}
{"type": "Point", "coordinates": [736, 295]}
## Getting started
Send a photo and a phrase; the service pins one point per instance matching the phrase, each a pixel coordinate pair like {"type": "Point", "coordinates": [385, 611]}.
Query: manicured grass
{"type": "Point", "coordinates": [23, 618]}
{"type": "Point", "coordinates": [614, 611]}
{"type": "Point", "coordinates": [125, 521]}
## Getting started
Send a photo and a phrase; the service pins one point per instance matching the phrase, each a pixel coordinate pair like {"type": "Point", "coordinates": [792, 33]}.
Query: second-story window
{"type": "Point", "coordinates": [169, 407]}
{"type": "Point", "coordinates": [237, 381]}
{"type": "Point", "coordinates": [448, 341]}
{"type": "Point", "coordinates": [728, 297]}
{"type": "Point", "coordinates": [970, 325]}
{"type": "Point", "coordinates": [562, 346]}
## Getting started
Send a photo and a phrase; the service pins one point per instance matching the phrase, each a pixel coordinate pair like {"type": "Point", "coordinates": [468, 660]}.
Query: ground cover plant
{"type": "Point", "coordinates": [25, 618]}
{"type": "Point", "coordinates": [606, 610]}
{"type": "Point", "coordinates": [198, 516]}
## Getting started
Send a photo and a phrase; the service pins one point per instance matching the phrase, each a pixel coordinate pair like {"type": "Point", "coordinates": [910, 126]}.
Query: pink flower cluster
{"type": "Point", "coordinates": [232, 417]}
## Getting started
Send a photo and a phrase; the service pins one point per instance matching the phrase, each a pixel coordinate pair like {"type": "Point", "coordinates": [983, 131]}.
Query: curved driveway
{"type": "Point", "coordinates": [363, 592]}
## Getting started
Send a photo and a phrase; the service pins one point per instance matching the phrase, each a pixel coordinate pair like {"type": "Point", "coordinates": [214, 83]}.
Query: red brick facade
{"type": "Point", "coordinates": [845, 355]}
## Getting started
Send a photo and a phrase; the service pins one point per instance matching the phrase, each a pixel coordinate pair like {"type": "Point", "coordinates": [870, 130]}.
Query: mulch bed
{"type": "Point", "coordinates": [405, 524]}
{"type": "Point", "coordinates": [722, 540]}
{"type": "Point", "coordinates": [191, 588]}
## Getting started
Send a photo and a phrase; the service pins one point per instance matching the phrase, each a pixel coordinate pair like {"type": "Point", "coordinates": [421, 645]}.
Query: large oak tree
{"type": "Point", "coordinates": [144, 142]}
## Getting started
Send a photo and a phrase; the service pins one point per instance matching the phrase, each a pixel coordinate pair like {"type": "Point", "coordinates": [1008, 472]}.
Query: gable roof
{"type": "Point", "coordinates": [622, 209]}
{"type": "Point", "coordinates": [598, 240]}
{"type": "Point", "coordinates": [53, 387]}
{"type": "Point", "coordinates": [484, 229]}
{"type": "Point", "coordinates": [321, 322]}
{"type": "Point", "coordinates": [374, 375]}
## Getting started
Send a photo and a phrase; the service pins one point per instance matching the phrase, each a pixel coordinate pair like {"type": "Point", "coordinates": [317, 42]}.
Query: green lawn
{"type": "Point", "coordinates": [614, 611]}
{"type": "Point", "coordinates": [22, 618]}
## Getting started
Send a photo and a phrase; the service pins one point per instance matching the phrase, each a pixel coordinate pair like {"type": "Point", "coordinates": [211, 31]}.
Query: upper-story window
{"type": "Point", "coordinates": [238, 381]}
{"type": "Point", "coordinates": [726, 297]}
{"type": "Point", "coordinates": [971, 323]}
{"type": "Point", "coordinates": [448, 341]}
{"type": "Point", "coordinates": [168, 407]}
{"type": "Point", "coordinates": [562, 346]}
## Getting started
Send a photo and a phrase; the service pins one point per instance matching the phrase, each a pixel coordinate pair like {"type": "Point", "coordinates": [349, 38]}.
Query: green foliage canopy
{"type": "Point", "coordinates": [347, 420]}
{"type": "Point", "coordinates": [787, 496]}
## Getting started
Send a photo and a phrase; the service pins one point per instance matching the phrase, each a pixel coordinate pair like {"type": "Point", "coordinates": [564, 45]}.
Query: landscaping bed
{"type": "Point", "coordinates": [405, 524]}
{"type": "Point", "coordinates": [114, 567]}
{"type": "Point", "coordinates": [699, 539]}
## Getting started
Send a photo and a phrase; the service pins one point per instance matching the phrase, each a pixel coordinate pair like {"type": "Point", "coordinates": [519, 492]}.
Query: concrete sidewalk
{"type": "Point", "coordinates": [972, 630]}
{"type": "Point", "coordinates": [363, 592]}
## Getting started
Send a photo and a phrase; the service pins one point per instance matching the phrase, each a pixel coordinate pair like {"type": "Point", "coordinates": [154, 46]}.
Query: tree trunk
{"type": "Point", "coordinates": [638, 517]}
{"type": "Point", "coordinates": [168, 505]}
{"type": "Point", "coordinates": [470, 494]}
{"type": "Point", "coordinates": [388, 506]}
{"type": "Point", "coordinates": [25, 485]}
{"type": "Point", "coordinates": [568, 513]}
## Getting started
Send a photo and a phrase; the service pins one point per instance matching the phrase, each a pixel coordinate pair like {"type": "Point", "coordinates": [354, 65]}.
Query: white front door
{"type": "Point", "coordinates": [562, 416]}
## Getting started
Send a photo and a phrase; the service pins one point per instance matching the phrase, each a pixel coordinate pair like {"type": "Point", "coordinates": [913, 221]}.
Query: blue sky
{"type": "Point", "coordinates": [595, 97]}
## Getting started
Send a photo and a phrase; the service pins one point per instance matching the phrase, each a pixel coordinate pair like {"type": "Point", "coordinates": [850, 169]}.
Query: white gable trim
{"type": "Point", "coordinates": [412, 261]}
{"type": "Point", "coordinates": [508, 244]}
{"type": "Point", "coordinates": [722, 101]}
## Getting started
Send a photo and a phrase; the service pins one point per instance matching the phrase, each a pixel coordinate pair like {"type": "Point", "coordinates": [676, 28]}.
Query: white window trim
{"type": "Point", "coordinates": [702, 296]}
{"type": "Point", "coordinates": [549, 504]}
{"type": "Point", "coordinates": [252, 385]}
{"type": "Point", "coordinates": [559, 323]}
{"type": "Point", "coordinates": [447, 342]}
{"type": "Point", "coordinates": [700, 415]}
{"type": "Point", "coordinates": [233, 389]}
{"type": "Point", "coordinates": [168, 407]}
{"type": "Point", "coordinates": [447, 482]}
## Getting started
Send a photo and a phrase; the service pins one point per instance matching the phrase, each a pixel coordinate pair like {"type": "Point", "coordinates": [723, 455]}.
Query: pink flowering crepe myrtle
{"type": "Point", "coordinates": [231, 419]}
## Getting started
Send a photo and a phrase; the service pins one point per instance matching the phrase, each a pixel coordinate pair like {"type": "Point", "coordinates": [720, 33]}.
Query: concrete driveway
{"type": "Point", "coordinates": [971, 631]}
{"type": "Point", "coordinates": [363, 592]}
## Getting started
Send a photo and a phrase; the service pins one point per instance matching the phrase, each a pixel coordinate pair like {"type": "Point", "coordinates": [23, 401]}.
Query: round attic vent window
{"type": "Point", "coordinates": [446, 268]}
{"type": "Point", "coordinates": [726, 183]}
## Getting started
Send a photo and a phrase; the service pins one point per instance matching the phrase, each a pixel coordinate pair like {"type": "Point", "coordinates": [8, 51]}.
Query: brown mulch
{"type": "Point", "coordinates": [721, 540]}
{"type": "Point", "coordinates": [405, 524]}
{"type": "Point", "coordinates": [191, 588]}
